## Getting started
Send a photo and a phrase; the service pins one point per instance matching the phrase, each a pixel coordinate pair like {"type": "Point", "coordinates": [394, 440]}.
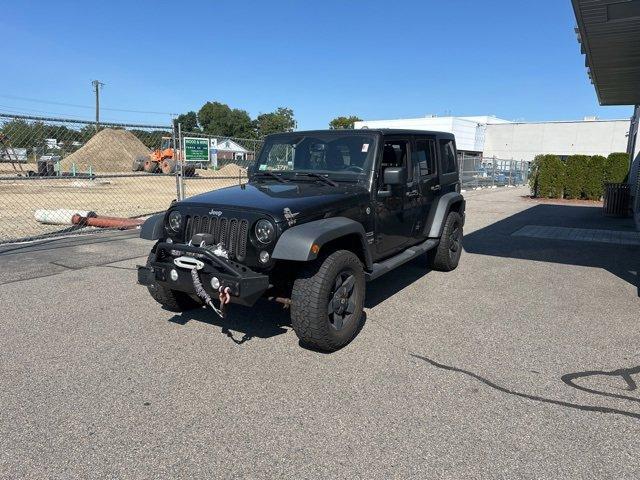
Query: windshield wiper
{"type": "Point", "coordinates": [326, 180]}
{"type": "Point", "coordinates": [271, 175]}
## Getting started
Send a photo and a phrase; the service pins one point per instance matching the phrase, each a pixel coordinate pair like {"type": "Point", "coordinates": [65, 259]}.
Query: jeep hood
{"type": "Point", "coordinates": [305, 199]}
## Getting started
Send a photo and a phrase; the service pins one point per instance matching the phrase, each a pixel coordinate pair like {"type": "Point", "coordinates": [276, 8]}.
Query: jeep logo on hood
{"type": "Point", "coordinates": [217, 213]}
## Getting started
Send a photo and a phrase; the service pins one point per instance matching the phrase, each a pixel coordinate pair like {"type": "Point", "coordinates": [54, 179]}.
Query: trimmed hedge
{"type": "Point", "coordinates": [580, 176]}
{"type": "Point", "coordinates": [575, 176]}
{"type": "Point", "coordinates": [616, 167]}
{"type": "Point", "coordinates": [547, 176]}
{"type": "Point", "coordinates": [594, 178]}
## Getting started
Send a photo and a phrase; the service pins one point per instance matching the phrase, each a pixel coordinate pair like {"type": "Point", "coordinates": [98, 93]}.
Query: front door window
{"type": "Point", "coordinates": [394, 222]}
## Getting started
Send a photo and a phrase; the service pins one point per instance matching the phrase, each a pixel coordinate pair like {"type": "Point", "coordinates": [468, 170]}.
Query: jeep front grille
{"type": "Point", "coordinates": [232, 232]}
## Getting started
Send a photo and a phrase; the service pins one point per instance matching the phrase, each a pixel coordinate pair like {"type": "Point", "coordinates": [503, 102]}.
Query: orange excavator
{"type": "Point", "coordinates": [163, 160]}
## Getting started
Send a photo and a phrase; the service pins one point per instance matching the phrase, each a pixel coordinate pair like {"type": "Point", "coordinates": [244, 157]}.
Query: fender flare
{"type": "Point", "coordinates": [153, 227]}
{"type": "Point", "coordinates": [440, 211]}
{"type": "Point", "coordinates": [296, 242]}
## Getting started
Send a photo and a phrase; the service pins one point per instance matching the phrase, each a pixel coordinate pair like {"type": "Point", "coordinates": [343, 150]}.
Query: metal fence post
{"type": "Point", "coordinates": [510, 170]}
{"type": "Point", "coordinates": [493, 171]}
{"type": "Point", "coordinates": [179, 164]}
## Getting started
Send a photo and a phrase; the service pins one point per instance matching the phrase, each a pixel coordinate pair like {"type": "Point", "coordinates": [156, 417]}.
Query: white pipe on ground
{"type": "Point", "coordinates": [61, 216]}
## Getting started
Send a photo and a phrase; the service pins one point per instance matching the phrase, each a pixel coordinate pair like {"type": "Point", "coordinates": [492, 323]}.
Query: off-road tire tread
{"type": "Point", "coordinates": [440, 260]}
{"type": "Point", "coordinates": [308, 309]}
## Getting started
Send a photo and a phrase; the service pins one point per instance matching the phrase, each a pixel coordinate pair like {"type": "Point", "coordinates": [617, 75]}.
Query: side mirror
{"type": "Point", "coordinates": [394, 176]}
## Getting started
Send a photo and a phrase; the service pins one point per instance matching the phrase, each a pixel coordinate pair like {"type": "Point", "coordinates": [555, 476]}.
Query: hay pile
{"type": "Point", "coordinates": [108, 150]}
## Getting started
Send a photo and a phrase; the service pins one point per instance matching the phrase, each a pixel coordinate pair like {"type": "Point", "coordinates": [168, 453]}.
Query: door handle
{"type": "Point", "coordinates": [435, 188]}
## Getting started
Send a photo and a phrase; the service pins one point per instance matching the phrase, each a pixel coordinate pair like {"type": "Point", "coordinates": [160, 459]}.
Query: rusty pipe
{"type": "Point", "coordinates": [106, 222]}
{"type": "Point", "coordinates": [285, 301]}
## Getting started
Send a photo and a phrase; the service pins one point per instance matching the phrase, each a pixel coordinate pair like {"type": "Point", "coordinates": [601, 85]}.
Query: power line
{"type": "Point", "coordinates": [64, 104]}
{"type": "Point", "coordinates": [20, 110]}
{"type": "Point", "coordinates": [53, 116]}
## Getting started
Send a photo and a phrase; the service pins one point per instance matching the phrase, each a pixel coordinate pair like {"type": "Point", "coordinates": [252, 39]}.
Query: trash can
{"type": "Point", "coordinates": [616, 199]}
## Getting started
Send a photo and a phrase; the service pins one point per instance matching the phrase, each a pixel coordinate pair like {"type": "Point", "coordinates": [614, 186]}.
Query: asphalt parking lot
{"type": "Point", "coordinates": [522, 363]}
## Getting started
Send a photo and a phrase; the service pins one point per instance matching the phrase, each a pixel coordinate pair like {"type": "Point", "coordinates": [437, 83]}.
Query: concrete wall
{"type": "Point", "coordinates": [520, 141]}
{"type": "Point", "coordinates": [523, 141]}
{"type": "Point", "coordinates": [469, 133]}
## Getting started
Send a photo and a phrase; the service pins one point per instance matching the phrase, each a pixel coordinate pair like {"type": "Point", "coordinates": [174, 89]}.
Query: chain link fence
{"type": "Point", "coordinates": [477, 171]}
{"type": "Point", "coordinates": [59, 176]}
{"type": "Point", "coordinates": [230, 159]}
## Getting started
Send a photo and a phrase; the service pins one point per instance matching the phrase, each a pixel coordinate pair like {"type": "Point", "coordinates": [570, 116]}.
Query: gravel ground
{"type": "Point", "coordinates": [119, 195]}
{"type": "Point", "coordinates": [519, 364]}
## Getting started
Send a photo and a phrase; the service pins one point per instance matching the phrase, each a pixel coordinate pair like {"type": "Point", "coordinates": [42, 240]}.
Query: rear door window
{"type": "Point", "coordinates": [448, 156]}
{"type": "Point", "coordinates": [425, 158]}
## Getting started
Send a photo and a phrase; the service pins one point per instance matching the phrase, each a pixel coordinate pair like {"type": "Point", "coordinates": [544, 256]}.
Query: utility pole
{"type": "Point", "coordinates": [97, 85]}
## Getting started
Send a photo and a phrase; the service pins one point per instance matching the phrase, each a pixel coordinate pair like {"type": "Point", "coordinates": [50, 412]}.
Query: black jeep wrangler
{"type": "Point", "coordinates": [323, 212]}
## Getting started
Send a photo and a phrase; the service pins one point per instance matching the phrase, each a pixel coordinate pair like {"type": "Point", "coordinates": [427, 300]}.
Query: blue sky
{"type": "Point", "coordinates": [375, 59]}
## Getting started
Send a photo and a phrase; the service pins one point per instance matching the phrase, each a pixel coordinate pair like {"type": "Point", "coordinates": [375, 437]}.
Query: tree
{"type": "Point", "coordinates": [575, 176]}
{"type": "Point", "coordinates": [217, 118]}
{"type": "Point", "coordinates": [341, 123]}
{"type": "Point", "coordinates": [188, 121]}
{"type": "Point", "coordinates": [282, 120]}
{"type": "Point", "coordinates": [594, 177]}
{"type": "Point", "coordinates": [547, 176]}
{"type": "Point", "coordinates": [616, 167]}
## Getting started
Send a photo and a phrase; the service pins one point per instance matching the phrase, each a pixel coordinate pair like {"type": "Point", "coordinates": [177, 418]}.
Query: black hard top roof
{"type": "Point", "coordinates": [383, 131]}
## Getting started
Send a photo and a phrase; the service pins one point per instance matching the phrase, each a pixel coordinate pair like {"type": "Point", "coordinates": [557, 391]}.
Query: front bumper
{"type": "Point", "coordinates": [245, 285]}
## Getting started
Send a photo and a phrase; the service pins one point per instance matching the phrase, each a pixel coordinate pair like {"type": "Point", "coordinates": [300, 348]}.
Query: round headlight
{"type": "Point", "coordinates": [265, 231]}
{"type": "Point", "coordinates": [175, 221]}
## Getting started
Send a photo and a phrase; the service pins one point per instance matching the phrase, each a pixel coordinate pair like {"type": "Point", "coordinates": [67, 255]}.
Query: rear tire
{"type": "Point", "coordinates": [327, 301]}
{"type": "Point", "coordinates": [171, 300]}
{"type": "Point", "coordinates": [168, 166]}
{"type": "Point", "coordinates": [446, 256]}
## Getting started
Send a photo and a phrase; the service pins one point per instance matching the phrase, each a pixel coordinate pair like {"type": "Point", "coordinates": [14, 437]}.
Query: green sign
{"type": "Point", "coordinates": [196, 149]}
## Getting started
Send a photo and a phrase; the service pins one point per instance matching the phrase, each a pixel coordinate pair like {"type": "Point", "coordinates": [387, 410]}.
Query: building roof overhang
{"type": "Point", "coordinates": [609, 34]}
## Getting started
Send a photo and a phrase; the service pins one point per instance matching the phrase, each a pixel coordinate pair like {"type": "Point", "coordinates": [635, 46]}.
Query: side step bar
{"type": "Point", "coordinates": [410, 253]}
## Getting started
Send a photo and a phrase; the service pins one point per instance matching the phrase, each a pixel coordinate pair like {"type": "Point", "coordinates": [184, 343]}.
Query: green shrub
{"type": "Point", "coordinates": [594, 178]}
{"type": "Point", "coordinates": [575, 173]}
{"type": "Point", "coordinates": [547, 176]}
{"type": "Point", "coordinates": [616, 167]}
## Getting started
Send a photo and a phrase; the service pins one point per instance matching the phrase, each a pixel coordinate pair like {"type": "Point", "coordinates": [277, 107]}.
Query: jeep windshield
{"type": "Point", "coordinates": [344, 156]}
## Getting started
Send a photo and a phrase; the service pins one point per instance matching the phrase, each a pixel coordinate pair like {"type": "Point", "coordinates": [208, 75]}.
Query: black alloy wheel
{"type": "Point", "coordinates": [342, 302]}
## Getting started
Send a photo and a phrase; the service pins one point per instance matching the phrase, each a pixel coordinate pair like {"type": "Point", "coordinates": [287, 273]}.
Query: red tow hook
{"type": "Point", "coordinates": [224, 295]}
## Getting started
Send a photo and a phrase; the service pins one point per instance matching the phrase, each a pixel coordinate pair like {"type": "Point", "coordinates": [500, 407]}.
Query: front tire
{"type": "Point", "coordinates": [327, 301]}
{"type": "Point", "coordinates": [172, 300]}
{"type": "Point", "coordinates": [447, 254]}
{"type": "Point", "coordinates": [138, 163]}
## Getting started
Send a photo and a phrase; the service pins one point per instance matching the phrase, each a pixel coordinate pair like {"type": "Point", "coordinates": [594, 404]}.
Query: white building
{"type": "Point", "coordinates": [469, 131]}
{"type": "Point", "coordinates": [230, 150]}
{"type": "Point", "coordinates": [523, 141]}
{"type": "Point", "coordinates": [492, 136]}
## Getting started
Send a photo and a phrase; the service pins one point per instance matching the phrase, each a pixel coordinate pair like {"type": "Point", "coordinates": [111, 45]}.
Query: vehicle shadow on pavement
{"type": "Point", "coordinates": [497, 240]}
{"type": "Point", "coordinates": [393, 282]}
{"type": "Point", "coordinates": [527, 396]}
{"type": "Point", "coordinates": [241, 324]}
